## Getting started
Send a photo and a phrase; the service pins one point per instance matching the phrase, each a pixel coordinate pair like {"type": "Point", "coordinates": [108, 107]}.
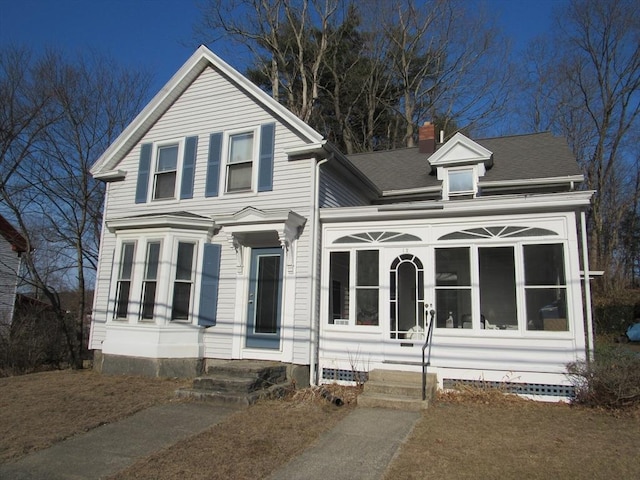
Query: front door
{"type": "Point", "coordinates": [265, 298]}
{"type": "Point", "coordinates": [406, 292]}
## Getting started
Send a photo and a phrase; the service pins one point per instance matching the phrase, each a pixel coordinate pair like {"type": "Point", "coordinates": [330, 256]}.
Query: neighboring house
{"type": "Point", "coordinates": [233, 230]}
{"type": "Point", "coordinates": [12, 246]}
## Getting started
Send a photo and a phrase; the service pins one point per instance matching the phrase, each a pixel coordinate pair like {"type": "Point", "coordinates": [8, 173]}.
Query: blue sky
{"type": "Point", "coordinates": [156, 35]}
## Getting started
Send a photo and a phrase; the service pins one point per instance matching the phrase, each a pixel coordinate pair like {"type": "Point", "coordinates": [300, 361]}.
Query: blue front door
{"type": "Point", "coordinates": [265, 298]}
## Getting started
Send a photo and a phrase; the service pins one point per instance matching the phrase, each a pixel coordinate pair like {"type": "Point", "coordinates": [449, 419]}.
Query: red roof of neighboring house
{"type": "Point", "coordinates": [17, 241]}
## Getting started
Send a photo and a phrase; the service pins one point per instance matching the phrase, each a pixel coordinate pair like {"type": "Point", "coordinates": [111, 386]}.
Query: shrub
{"type": "Point", "coordinates": [611, 380]}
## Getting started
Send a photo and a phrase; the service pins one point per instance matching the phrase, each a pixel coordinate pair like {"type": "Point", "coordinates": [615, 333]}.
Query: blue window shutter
{"type": "Point", "coordinates": [213, 165]}
{"type": "Point", "coordinates": [144, 170]}
{"type": "Point", "coordinates": [267, 146]}
{"type": "Point", "coordinates": [209, 285]}
{"type": "Point", "coordinates": [188, 167]}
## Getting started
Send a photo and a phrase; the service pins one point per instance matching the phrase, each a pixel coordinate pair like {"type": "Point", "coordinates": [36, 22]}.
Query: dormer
{"type": "Point", "coordinates": [459, 164]}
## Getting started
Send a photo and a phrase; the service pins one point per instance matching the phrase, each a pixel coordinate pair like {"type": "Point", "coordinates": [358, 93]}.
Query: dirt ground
{"type": "Point", "coordinates": [469, 436]}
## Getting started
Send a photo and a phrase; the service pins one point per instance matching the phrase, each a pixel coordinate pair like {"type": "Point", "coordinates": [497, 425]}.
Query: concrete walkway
{"type": "Point", "coordinates": [359, 447]}
{"type": "Point", "coordinates": [110, 448]}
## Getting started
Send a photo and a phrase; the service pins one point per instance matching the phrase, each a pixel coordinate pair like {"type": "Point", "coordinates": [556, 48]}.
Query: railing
{"type": "Point", "coordinates": [427, 343]}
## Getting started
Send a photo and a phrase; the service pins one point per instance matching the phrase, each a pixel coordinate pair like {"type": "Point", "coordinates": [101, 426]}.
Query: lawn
{"type": "Point", "coordinates": [475, 435]}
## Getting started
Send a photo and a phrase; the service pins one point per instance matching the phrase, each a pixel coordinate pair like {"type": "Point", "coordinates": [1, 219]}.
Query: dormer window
{"type": "Point", "coordinates": [462, 182]}
{"type": "Point", "coordinates": [459, 164]}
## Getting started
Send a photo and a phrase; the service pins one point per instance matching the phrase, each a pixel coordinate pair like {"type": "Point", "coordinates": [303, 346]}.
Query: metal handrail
{"type": "Point", "coordinates": [427, 343]}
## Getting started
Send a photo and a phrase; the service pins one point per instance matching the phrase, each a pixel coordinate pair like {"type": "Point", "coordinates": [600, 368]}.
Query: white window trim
{"type": "Point", "coordinates": [158, 280]}
{"type": "Point", "coordinates": [169, 240]}
{"type": "Point", "coordinates": [226, 150]}
{"type": "Point", "coordinates": [477, 170]}
{"type": "Point", "coordinates": [154, 166]}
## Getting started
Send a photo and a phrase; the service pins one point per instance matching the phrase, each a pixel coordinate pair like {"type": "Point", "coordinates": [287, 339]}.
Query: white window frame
{"type": "Point", "coordinates": [119, 280]}
{"type": "Point", "coordinates": [191, 281]}
{"type": "Point", "coordinates": [157, 146]}
{"type": "Point", "coordinates": [255, 131]}
{"type": "Point", "coordinates": [459, 193]}
{"type": "Point", "coordinates": [520, 290]}
{"type": "Point", "coordinates": [158, 278]}
{"type": "Point", "coordinates": [166, 276]}
{"type": "Point", "coordinates": [353, 288]}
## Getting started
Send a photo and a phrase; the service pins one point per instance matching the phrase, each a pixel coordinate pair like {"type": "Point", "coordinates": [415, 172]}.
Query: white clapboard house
{"type": "Point", "coordinates": [233, 230]}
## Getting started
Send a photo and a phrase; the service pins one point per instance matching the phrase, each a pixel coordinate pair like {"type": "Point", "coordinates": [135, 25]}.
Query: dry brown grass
{"type": "Point", "coordinates": [474, 434]}
{"type": "Point", "coordinates": [250, 444]}
{"type": "Point", "coordinates": [41, 409]}
{"type": "Point", "coordinates": [485, 434]}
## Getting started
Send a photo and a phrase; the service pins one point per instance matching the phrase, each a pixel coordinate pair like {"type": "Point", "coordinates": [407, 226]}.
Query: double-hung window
{"type": "Point", "coordinates": [453, 288]}
{"type": "Point", "coordinates": [545, 287]}
{"type": "Point", "coordinates": [183, 284]}
{"type": "Point", "coordinates": [125, 274]}
{"type": "Point", "coordinates": [165, 174]}
{"type": "Point", "coordinates": [240, 162]}
{"type": "Point", "coordinates": [150, 282]}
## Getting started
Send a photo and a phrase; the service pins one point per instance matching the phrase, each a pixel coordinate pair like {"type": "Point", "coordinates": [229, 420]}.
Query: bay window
{"type": "Point", "coordinates": [123, 285]}
{"type": "Point", "coordinates": [183, 283]}
{"type": "Point", "coordinates": [149, 283]}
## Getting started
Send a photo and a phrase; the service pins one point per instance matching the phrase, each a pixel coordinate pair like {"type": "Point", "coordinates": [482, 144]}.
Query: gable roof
{"type": "Point", "coordinates": [11, 235]}
{"type": "Point", "coordinates": [515, 158]}
{"type": "Point", "coordinates": [202, 58]}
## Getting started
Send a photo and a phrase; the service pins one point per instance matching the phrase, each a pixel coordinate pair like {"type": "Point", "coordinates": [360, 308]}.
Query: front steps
{"type": "Point", "coordinates": [240, 382]}
{"type": "Point", "coordinates": [397, 389]}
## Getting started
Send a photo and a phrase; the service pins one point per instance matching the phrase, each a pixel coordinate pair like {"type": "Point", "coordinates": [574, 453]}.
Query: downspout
{"type": "Point", "coordinates": [315, 266]}
{"type": "Point", "coordinates": [587, 286]}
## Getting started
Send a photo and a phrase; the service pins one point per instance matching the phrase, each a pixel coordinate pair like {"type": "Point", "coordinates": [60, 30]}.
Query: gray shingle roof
{"type": "Point", "coordinates": [518, 157]}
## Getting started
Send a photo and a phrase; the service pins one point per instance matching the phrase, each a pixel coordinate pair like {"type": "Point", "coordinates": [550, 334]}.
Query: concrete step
{"type": "Point", "coordinates": [238, 382]}
{"type": "Point", "coordinates": [398, 389]}
{"type": "Point", "coordinates": [391, 401]}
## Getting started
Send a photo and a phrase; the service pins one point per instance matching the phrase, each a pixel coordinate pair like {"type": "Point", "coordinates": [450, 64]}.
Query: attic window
{"type": "Point", "coordinates": [461, 182]}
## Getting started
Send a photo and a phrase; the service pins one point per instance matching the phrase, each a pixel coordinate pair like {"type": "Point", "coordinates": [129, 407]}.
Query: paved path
{"type": "Point", "coordinates": [359, 447]}
{"type": "Point", "coordinates": [110, 448]}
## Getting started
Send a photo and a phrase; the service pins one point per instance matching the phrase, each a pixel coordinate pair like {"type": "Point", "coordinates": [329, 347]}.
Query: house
{"type": "Point", "coordinates": [12, 246]}
{"type": "Point", "coordinates": [233, 230]}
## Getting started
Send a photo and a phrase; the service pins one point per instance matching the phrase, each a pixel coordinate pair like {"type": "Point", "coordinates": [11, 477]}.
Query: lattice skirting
{"type": "Point", "coordinates": [344, 375]}
{"type": "Point", "coordinates": [541, 389]}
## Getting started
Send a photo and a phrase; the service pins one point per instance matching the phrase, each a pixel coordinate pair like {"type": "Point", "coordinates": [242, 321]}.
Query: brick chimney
{"type": "Point", "coordinates": [427, 138]}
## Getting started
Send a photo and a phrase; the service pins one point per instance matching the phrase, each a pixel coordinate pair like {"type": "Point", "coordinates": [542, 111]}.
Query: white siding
{"type": "Point", "coordinates": [211, 104]}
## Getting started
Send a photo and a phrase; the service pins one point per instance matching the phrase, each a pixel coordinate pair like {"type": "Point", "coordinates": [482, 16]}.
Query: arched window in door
{"type": "Point", "coordinates": [407, 297]}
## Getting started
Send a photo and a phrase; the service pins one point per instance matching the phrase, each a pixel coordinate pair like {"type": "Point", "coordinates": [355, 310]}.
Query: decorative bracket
{"type": "Point", "coordinates": [237, 246]}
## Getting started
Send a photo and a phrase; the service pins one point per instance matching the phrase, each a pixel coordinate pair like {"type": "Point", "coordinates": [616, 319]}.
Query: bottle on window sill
{"type": "Point", "coordinates": [449, 322]}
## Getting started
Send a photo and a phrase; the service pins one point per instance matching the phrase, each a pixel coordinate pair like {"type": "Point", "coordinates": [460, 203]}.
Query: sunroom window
{"type": "Point", "coordinates": [545, 287]}
{"type": "Point", "coordinates": [497, 275]}
{"type": "Point", "coordinates": [361, 278]}
{"type": "Point", "coordinates": [453, 288]}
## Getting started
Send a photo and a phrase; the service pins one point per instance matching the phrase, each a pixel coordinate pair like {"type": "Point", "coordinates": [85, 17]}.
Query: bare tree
{"type": "Point", "coordinates": [50, 194]}
{"type": "Point", "coordinates": [587, 87]}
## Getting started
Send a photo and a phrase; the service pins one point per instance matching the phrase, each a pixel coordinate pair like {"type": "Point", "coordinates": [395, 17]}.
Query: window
{"type": "Point", "coordinates": [240, 162]}
{"type": "Point", "coordinates": [545, 287]}
{"type": "Point", "coordinates": [497, 273]}
{"type": "Point", "coordinates": [183, 283]}
{"type": "Point", "coordinates": [123, 287]}
{"type": "Point", "coordinates": [149, 283]}
{"type": "Point", "coordinates": [461, 182]}
{"type": "Point", "coordinates": [453, 288]}
{"type": "Point", "coordinates": [166, 172]}
{"type": "Point", "coordinates": [339, 288]}
{"type": "Point", "coordinates": [363, 287]}
{"type": "Point", "coordinates": [507, 296]}
{"type": "Point", "coordinates": [367, 291]}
